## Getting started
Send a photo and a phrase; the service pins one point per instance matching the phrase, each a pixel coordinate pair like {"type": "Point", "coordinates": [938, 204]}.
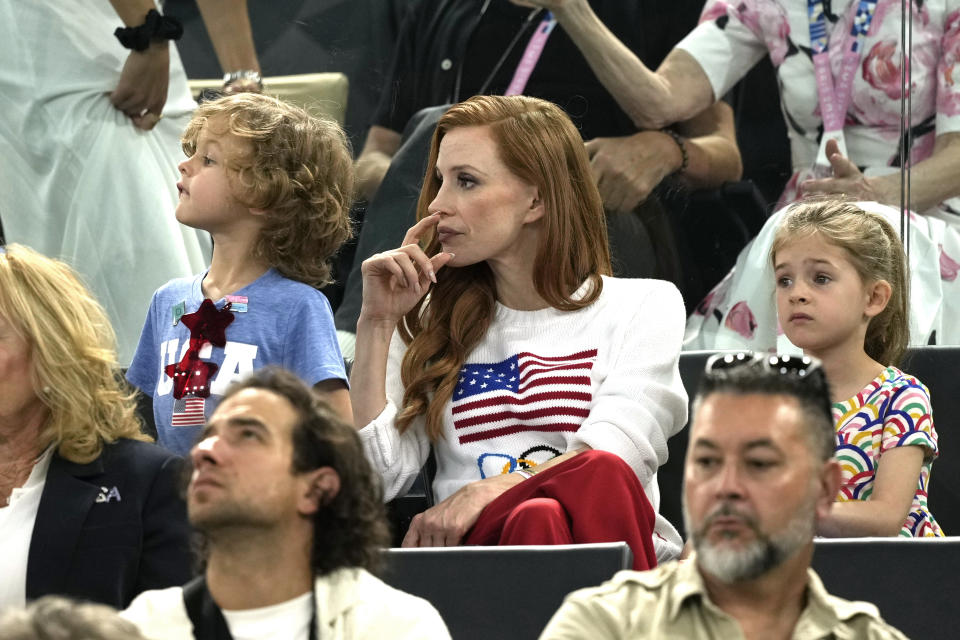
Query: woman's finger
{"type": "Point", "coordinates": [410, 275]}
{"type": "Point", "coordinates": [379, 263]}
{"type": "Point", "coordinates": [440, 260]}
{"type": "Point", "coordinates": [395, 270]}
{"type": "Point", "coordinates": [412, 538]}
{"type": "Point", "coordinates": [415, 253]}
{"type": "Point", "coordinates": [417, 231]}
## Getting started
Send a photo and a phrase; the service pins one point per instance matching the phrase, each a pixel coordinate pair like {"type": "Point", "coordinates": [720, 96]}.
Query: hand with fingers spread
{"type": "Point", "coordinates": [847, 179]}
{"type": "Point", "coordinates": [142, 89]}
{"type": "Point", "coordinates": [446, 524]}
{"type": "Point", "coordinates": [394, 281]}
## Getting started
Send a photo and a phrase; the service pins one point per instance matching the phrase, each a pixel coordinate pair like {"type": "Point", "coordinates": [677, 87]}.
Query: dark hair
{"type": "Point", "coordinates": [762, 374]}
{"type": "Point", "coordinates": [350, 529]}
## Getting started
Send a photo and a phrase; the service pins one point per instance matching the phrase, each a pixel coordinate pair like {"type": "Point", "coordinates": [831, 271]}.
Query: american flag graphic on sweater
{"type": "Point", "coordinates": [525, 392]}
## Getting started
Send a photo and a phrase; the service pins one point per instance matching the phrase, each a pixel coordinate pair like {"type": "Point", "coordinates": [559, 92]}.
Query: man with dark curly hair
{"type": "Point", "coordinates": [293, 520]}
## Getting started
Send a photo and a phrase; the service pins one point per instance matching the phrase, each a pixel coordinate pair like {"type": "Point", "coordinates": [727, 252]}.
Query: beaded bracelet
{"type": "Point", "coordinates": [154, 27]}
{"type": "Point", "coordinates": [685, 159]}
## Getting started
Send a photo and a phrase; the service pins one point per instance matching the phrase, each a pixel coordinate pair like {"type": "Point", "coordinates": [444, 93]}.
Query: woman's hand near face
{"type": "Point", "coordinates": [394, 281]}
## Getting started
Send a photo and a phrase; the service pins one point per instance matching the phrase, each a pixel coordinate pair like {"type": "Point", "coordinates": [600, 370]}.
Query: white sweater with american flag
{"type": "Point", "coordinates": [547, 381]}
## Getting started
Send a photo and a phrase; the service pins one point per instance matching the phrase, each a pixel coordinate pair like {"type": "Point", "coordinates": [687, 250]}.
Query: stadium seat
{"type": "Point", "coordinates": [501, 592]}
{"type": "Point", "coordinates": [908, 579]}
{"type": "Point", "coordinates": [936, 367]}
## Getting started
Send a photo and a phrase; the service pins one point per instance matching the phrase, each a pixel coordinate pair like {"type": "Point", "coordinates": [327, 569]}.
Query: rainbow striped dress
{"type": "Point", "coordinates": [892, 411]}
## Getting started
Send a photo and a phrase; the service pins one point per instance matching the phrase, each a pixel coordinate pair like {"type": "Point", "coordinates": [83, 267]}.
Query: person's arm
{"type": "Point", "coordinates": [311, 349]}
{"type": "Point", "coordinates": [372, 164]}
{"type": "Point", "coordinates": [908, 437]}
{"type": "Point", "coordinates": [335, 394]}
{"type": "Point", "coordinates": [642, 402]}
{"type": "Point", "coordinates": [393, 282]}
{"type": "Point", "coordinates": [628, 168]}
{"type": "Point", "coordinates": [141, 91]}
{"type": "Point", "coordinates": [711, 141]}
{"type": "Point", "coordinates": [931, 181]}
{"type": "Point", "coordinates": [677, 91]}
{"type": "Point", "coordinates": [228, 25]}
{"type": "Point", "coordinates": [884, 513]}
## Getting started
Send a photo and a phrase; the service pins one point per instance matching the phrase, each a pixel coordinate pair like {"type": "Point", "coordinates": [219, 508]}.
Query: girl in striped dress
{"type": "Point", "coordinates": [841, 282]}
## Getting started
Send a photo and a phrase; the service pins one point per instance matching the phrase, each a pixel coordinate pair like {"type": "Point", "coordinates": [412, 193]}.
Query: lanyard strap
{"type": "Point", "coordinates": [531, 55]}
{"type": "Point", "coordinates": [835, 98]}
{"type": "Point", "coordinates": [207, 618]}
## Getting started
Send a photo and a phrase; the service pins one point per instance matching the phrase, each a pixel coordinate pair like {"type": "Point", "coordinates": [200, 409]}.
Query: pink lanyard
{"type": "Point", "coordinates": [835, 98]}
{"type": "Point", "coordinates": [531, 55]}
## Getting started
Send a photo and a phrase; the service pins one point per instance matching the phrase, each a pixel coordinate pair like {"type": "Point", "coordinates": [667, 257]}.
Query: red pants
{"type": "Point", "coordinates": [593, 497]}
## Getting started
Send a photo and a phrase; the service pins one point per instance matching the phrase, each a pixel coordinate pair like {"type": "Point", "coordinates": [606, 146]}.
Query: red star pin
{"type": "Point", "coordinates": [191, 375]}
{"type": "Point", "coordinates": [209, 323]}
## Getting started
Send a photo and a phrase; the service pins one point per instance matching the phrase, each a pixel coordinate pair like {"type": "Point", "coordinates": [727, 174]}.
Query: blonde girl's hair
{"type": "Point", "coordinates": [297, 167]}
{"type": "Point", "coordinates": [72, 345]}
{"type": "Point", "coordinates": [537, 142]}
{"type": "Point", "coordinates": [874, 249]}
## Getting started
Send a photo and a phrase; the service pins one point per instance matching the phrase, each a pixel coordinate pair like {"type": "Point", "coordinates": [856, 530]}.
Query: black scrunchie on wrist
{"type": "Point", "coordinates": [155, 27]}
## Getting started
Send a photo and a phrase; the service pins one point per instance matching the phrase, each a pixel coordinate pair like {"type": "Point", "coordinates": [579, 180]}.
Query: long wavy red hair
{"type": "Point", "coordinates": [538, 144]}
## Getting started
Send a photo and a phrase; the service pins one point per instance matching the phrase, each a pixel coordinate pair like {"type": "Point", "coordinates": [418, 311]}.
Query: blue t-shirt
{"type": "Point", "coordinates": [286, 323]}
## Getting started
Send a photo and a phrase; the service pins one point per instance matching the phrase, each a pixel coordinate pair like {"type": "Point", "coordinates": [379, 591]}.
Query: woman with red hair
{"type": "Point", "coordinates": [495, 335]}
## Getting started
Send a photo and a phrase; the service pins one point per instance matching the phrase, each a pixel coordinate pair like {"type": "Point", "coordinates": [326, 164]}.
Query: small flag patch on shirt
{"type": "Point", "coordinates": [525, 392]}
{"type": "Point", "coordinates": [188, 412]}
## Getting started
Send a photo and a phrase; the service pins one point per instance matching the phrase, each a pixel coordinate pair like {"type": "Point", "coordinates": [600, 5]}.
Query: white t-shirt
{"type": "Point", "coordinates": [288, 620]}
{"type": "Point", "coordinates": [16, 530]}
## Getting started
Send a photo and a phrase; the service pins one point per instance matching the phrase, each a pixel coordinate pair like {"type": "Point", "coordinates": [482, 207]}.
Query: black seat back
{"type": "Point", "coordinates": [937, 367]}
{"type": "Point", "coordinates": [502, 592]}
{"type": "Point", "coordinates": [670, 475]}
{"type": "Point", "coordinates": [908, 579]}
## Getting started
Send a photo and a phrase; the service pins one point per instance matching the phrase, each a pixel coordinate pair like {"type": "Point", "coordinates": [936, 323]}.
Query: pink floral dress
{"type": "Point", "coordinates": [733, 35]}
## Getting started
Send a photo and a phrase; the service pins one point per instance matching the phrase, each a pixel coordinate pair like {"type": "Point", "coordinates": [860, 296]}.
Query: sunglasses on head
{"type": "Point", "coordinates": [784, 364]}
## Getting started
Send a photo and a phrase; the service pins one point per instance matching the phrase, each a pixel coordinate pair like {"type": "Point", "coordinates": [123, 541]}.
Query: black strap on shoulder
{"type": "Point", "coordinates": [208, 621]}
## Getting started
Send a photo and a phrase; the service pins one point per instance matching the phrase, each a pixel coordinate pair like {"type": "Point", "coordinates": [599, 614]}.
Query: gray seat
{"type": "Point", "coordinates": [908, 579]}
{"type": "Point", "coordinates": [501, 592]}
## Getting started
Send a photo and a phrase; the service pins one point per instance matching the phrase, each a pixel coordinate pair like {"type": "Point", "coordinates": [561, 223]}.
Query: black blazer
{"type": "Point", "coordinates": [108, 530]}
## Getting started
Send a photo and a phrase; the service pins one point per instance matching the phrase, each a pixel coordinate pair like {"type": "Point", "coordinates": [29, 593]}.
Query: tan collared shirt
{"type": "Point", "coordinates": [672, 602]}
